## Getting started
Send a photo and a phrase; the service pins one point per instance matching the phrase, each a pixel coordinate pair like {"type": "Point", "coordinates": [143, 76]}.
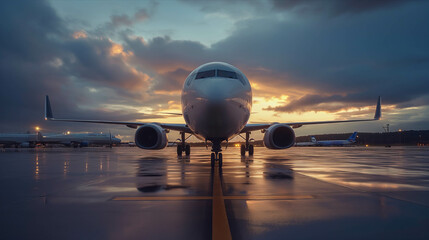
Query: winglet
{"type": "Point", "coordinates": [377, 115]}
{"type": "Point", "coordinates": [48, 110]}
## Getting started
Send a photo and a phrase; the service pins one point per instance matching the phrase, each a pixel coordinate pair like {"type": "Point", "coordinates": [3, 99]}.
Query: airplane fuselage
{"type": "Point", "coordinates": [216, 101]}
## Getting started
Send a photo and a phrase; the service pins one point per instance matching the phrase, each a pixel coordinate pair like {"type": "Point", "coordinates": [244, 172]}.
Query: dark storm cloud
{"type": "Point", "coordinates": [140, 15]}
{"type": "Point", "coordinates": [383, 53]}
{"type": "Point", "coordinates": [335, 7]}
{"type": "Point", "coordinates": [92, 59]}
{"type": "Point", "coordinates": [163, 52]}
{"type": "Point", "coordinates": [342, 62]}
{"type": "Point", "coordinates": [39, 56]}
{"type": "Point", "coordinates": [171, 81]}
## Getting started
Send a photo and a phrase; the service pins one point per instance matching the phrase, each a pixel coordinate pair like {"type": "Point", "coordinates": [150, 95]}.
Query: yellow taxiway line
{"type": "Point", "coordinates": [220, 225]}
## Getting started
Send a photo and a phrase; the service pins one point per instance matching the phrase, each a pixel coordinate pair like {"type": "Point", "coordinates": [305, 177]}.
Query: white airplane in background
{"type": "Point", "coordinates": [20, 139]}
{"type": "Point", "coordinates": [216, 105]}
{"type": "Point", "coordinates": [307, 144]}
{"type": "Point", "coordinates": [81, 139]}
{"type": "Point", "coordinates": [348, 141]}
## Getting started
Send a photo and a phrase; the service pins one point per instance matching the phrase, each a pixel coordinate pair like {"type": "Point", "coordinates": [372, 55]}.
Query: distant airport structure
{"type": "Point", "coordinates": [314, 142]}
{"type": "Point", "coordinates": [29, 140]}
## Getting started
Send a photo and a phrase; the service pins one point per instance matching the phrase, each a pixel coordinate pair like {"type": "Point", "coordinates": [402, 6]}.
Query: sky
{"type": "Point", "coordinates": [307, 60]}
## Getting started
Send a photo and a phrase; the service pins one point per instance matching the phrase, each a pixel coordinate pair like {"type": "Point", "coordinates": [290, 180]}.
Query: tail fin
{"type": "Point", "coordinates": [48, 110]}
{"type": "Point", "coordinates": [352, 138]}
{"type": "Point", "coordinates": [39, 137]}
{"type": "Point", "coordinates": [313, 139]}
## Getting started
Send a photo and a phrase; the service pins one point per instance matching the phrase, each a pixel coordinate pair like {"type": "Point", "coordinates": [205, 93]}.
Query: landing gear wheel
{"type": "Point", "coordinates": [220, 160]}
{"type": "Point", "coordinates": [188, 150]}
{"type": "Point", "coordinates": [243, 150]}
{"type": "Point", "coordinates": [179, 150]}
{"type": "Point", "coordinates": [213, 159]}
{"type": "Point", "coordinates": [251, 150]}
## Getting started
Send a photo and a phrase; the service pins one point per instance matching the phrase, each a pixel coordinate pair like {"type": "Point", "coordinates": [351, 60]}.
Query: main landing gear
{"type": "Point", "coordinates": [183, 147]}
{"type": "Point", "coordinates": [247, 147]}
{"type": "Point", "coordinates": [216, 154]}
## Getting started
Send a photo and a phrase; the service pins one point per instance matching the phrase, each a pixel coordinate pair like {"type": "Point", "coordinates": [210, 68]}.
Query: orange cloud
{"type": "Point", "coordinates": [79, 34]}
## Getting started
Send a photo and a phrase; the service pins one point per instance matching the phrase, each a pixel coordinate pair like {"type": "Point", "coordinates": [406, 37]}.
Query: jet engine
{"type": "Point", "coordinates": [151, 136]}
{"type": "Point", "coordinates": [279, 136]}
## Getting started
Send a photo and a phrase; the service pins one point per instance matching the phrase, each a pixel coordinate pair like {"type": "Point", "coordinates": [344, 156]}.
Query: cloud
{"type": "Point", "coordinates": [328, 64]}
{"type": "Point", "coordinates": [40, 55]}
{"type": "Point", "coordinates": [334, 7]}
{"type": "Point", "coordinates": [124, 20]}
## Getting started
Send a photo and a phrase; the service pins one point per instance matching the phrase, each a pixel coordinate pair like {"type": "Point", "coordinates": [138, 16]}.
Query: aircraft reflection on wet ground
{"type": "Point", "coordinates": [301, 193]}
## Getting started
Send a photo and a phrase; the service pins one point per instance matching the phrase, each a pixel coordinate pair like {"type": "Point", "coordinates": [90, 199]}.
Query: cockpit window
{"type": "Point", "coordinates": [226, 74]}
{"type": "Point", "coordinates": [206, 74]}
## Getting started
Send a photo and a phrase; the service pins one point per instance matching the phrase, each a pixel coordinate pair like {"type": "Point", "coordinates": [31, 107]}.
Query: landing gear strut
{"type": "Point", "coordinates": [183, 147]}
{"type": "Point", "coordinates": [247, 147]}
{"type": "Point", "coordinates": [216, 154]}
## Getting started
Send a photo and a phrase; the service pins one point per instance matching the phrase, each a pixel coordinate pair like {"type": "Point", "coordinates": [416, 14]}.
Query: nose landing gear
{"type": "Point", "coordinates": [216, 154]}
{"type": "Point", "coordinates": [247, 147]}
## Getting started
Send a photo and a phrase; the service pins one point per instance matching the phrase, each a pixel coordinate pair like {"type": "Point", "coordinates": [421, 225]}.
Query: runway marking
{"type": "Point", "coordinates": [178, 198]}
{"type": "Point", "coordinates": [220, 225]}
{"type": "Point", "coordinates": [291, 197]}
{"type": "Point", "coordinates": [167, 198]}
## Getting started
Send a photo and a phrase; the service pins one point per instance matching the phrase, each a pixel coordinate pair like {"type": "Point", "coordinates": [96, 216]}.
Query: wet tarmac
{"type": "Point", "coordinates": [299, 193]}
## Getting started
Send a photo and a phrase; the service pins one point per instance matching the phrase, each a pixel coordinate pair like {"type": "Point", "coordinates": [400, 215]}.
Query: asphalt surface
{"type": "Point", "coordinates": [298, 193]}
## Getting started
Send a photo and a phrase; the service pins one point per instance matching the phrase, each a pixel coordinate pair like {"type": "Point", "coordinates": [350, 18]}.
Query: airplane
{"type": "Point", "coordinates": [81, 139]}
{"type": "Point", "coordinates": [306, 144]}
{"type": "Point", "coordinates": [24, 140]}
{"type": "Point", "coordinates": [350, 140]}
{"type": "Point", "coordinates": [216, 105]}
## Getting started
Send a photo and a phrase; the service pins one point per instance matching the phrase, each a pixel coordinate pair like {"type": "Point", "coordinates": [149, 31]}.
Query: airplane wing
{"type": "Point", "coordinates": [176, 127]}
{"type": "Point", "coordinates": [255, 127]}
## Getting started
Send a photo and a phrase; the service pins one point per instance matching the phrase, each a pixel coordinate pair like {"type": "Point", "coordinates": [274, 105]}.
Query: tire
{"type": "Point", "coordinates": [179, 150]}
{"type": "Point", "coordinates": [243, 150]}
{"type": "Point", "coordinates": [212, 157]}
{"type": "Point", "coordinates": [251, 150]}
{"type": "Point", "coordinates": [188, 150]}
{"type": "Point", "coordinates": [220, 160]}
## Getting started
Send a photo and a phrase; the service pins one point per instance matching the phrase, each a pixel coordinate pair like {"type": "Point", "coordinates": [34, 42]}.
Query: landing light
{"type": "Point", "coordinates": [367, 145]}
{"type": "Point", "coordinates": [37, 128]}
{"type": "Point", "coordinates": [237, 145]}
{"type": "Point", "coordinates": [68, 132]}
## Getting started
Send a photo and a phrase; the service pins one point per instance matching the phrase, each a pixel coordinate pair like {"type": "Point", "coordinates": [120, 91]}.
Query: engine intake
{"type": "Point", "coordinates": [151, 136]}
{"type": "Point", "coordinates": [279, 136]}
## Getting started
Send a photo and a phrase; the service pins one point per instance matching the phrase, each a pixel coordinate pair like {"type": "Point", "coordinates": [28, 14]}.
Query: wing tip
{"type": "Point", "coordinates": [48, 109]}
{"type": "Point", "coordinates": [377, 115]}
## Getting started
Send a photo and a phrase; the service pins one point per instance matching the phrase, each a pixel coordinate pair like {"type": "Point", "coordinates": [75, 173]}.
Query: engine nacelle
{"type": "Point", "coordinates": [279, 136]}
{"type": "Point", "coordinates": [151, 136]}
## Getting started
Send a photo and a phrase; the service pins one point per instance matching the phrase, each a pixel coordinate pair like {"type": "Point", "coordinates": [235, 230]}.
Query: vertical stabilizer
{"type": "Point", "coordinates": [352, 138]}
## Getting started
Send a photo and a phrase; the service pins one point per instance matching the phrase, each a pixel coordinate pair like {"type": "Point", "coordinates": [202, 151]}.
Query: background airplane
{"type": "Point", "coordinates": [348, 141]}
{"type": "Point", "coordinates": [306, 144]}
{"type": "Point", "coordinates": [20, 139]}
{"type": "Point", "coordinates": [216, 106]}
{"type": "Point", "coordinates": [81, 139]}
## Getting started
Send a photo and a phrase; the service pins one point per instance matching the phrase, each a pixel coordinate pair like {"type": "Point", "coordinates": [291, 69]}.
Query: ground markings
{"type": "Point", "coordinates": [220, 224]}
